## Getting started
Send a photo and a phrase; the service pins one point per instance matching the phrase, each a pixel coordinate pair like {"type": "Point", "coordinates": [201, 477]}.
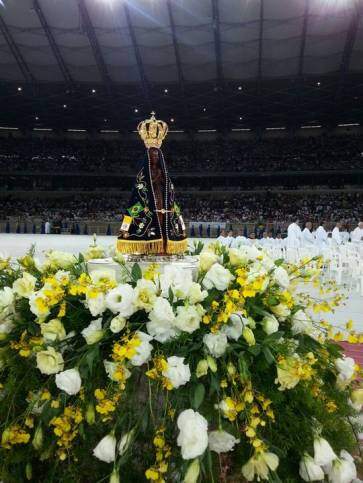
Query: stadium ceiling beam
{"type": "Point", "coordinates": [350, 41]}
{"type": "Point", "coordinates": [143, 79]}
{"type": "Point", "coordinates": [177, 57]}
{"type": "Point", "coordinates": [23, 66]}
{"type": "Point", "coordinates": [100, 61]}
{"type": "Point", "coordinates": [303, 39]}
{"type": "Point", "coordinates": [260, 47]}
{"type": "Point", "coordinates": [53, 45]}
{"type": "Point", "coordinates": [217, 42]}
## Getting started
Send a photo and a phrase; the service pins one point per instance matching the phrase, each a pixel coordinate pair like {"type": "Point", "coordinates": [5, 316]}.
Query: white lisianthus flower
{"type": "Point", "coordinates": [6, 326]}
{"type": "Point", "coordinates": [96, 305]}
{"type": "Point", "coordinates": [6, 302]}
{"type": "Point", "coordinates": [143, 351]}
{"type": "Point", "coordinates": [270, 324]}
{"type": "Point", "coordinates": [102, 276]}
{"type": "Point", "coordinates": [50, 361]}
{"type": "Point", "coordinates": [220, 441]}
{"type": "Point", "coordinates": [162, 319]}
{"type": "Point", "coordinates": [207, 258]}
{"type": "Point", "coordinates": [281, 311]}
{"type": "Point", "coordinates": [93, 332]}
{"type": "Point", "coordinates": [196, 294]}
{"type": "Point", "coordinates": [237, 257]}
{"type": "Point", "coordinates": [117, 324]}
{"type": "Point", "coordinates": [218, 277]}
{"type": "Point", "coordinates": [177, 372]}
{"type": "Point", "coordinates": [53, 330]}
{"type": "Point", "coordinates": [106, 449]}
{"type": "Point", "coordinates": [125, 442]}
{"type": "Point", "coordinates": [300, 323]}
{"type": "Point", "coordinates": [177, 279]}
{"type": "Point", "coordinates": [24, 287]}
{"type": "Point", "coordinates": [38, 304]}
{"type": "Point", "coordinates": [145, 294]}
{"type": "Point", "coordinates": [69, 381]}
{"type": "Point", "coordinates": [111, 368]}
{"type": "Point", "coordinates": [120, 300]}
{"type": "Point", "coordinates": [259, 465]}
{"type": "Point", "coordinates": [323, 452]}
{"type": "Point", "coordinates": [188, 318]}
{"type": "Point", "coordinates": [342, 470]}
{"type": "Point", "coordinates": [357, 398]}
{"type": "Point", "coordinates": [193, 434]}
{"type": "Point", "coordinates": [202, 368]}
{"type": "Point", "coordinates": [216, 343]}
{"type": "Point", "coordinates": [309, 470]}
{"type": "Point", "coordinates": [282, 277]}
{"type": "Point", "coordinates": [345, 367]}
{"type": "Point", "coordinates": [233, 330]}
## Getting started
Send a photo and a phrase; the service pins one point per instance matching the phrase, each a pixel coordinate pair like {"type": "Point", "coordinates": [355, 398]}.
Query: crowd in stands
{"type": "Point", "coordinates": [267, 206]}
{"type": "Point", "coordinates": [326, 152]}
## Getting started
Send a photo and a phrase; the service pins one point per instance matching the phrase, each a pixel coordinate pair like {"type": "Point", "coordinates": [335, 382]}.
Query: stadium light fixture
{"type": "Point", "coordinates": [349, 124]}
{"type": "Point", "coordinates": [77, 130]}
{"type": "Point", "coordinates": [281, 128]}
{"type": "Point", "coordinates": [136, 110]}
{"type": "Point", "coordinates": [239, 88]}
{"type": "Point", "coordinates": [204, 109]}
{"type": "Point", "coordinates": [64, 106]}
{"type": "Point", "coordinates": [36, 118]}
{"type": "Point", "coordinates": [93, 91]}
{"type": "Point", "coordinates": [312, 126]}
{"type": "Point", "coordinates": [8, 128]}
{"type": "Point", "coordinates": [241, 129]}
{"type": "Point", "coordinates": [42, 129]}
{"type": "Point", "coordinates": [20, 89]}
{"type": "Point", "coordinates": [207, 130]}
{"type": "Point", "coordinates": [166, 91]}
{"type": "Point", "coordinates": [318, 84]}
{"type": "Point", "coordinates": [109, 130]}
{"type": "Point", "coordinates": [171, 119]}
{"type": "Point", "coordinates": [240, 118]}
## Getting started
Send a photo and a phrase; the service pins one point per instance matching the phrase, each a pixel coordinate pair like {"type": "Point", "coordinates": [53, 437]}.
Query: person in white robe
{"type": "Point", "coordinates": [239, 240]}
{"type": "Point", "coordinates": [321, 236]}
{"type": "Point", "coordinates": [357, 234]}
{"type": "Point", "coordinates": [223, 239]}
{"type": "Point", "coordinates": [336, 235]}
{"type": "Point", "coordinates": [307, 236]}
{"type": "Point", "coordinates": [294, 235]}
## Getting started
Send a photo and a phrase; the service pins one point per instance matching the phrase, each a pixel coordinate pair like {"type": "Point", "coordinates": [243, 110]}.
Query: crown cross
{"type": "Point", "coordinates": [152, 131]}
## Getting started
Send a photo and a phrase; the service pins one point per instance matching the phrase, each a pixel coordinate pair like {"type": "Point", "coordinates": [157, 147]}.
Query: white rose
{"type": "Point", "coordinates": [233, 330]}
{"type": "Point", "coordinates": [143, 351]}
{"type": "Point", "coordinates": [196, 294]}
{"type": "Point", "coordinates": [53, 330]}
{"type": "Point", "coordinates": [281, 311]}
{"type": "Point", "coordinates": [220, 441]}
{"type": "Point", "coordinates": [162, 318]}
{"type": "Point", "coordinates": [218, 277]}
{"type": "Point", "coordinates": [24, 286]}
{"type": "Point", "coordinates": [250, 253]}
{"type": "Point", "coordinates": [103, 276]}
{"type": "Point", "coordinates": [117, 324]}
{"type": "Point", "coordinates": [93, 332]}
{"type": "Point", "coordinates": [216, 343]}
{"type": "Point", "coordinates": [145, 294]}
{"type": "Point", "coordinates": [106, 449]}
{"type": "Point", "coordinates": [300, 323]}
{"type": "Point", "coordinates": [282, 277]}
{"type": "Point", "coordinates": [309, 470]}
{"type": "Point", "coordinates": [49, 361]}
{"type": "Point", "coordinates": [69, 381]}
{"type": "Point", "coordinates": [177, 279]}
{"type": "Point", "coordinates": [193, 435]}
{"type": "Point", "coordinates": [120, 300]}
{"type": "Point", "coordinates": [345, 366]}
{"type": "Point", "coordinates": [96, 305]}
{"type": "Point", "coordinates": [237, 256]}
{"type": "Point", "coordinates": [207, 259]}
{"type": "Point", "coordinates": [177, 372]}
{"type": "Point", "coordinates": [270, 324]}
{"type": "Point", "coordinates": [188, 318]}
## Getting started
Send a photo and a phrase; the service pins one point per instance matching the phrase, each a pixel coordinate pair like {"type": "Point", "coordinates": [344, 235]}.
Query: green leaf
{"type": "Point", "coordinates": [136, 272]}
{"type": "Point", "coordinates": [90, 358]}
{"type": "Point", "coordinates": [199, 394]}
{"type": "Point", "coordinates": [279, 262]}
{"type": "Point", "coordinates": [268, 355]}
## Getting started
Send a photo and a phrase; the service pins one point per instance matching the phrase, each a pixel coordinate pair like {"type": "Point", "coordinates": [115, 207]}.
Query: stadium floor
{"type": "Point", "coordinates": [16, 244]}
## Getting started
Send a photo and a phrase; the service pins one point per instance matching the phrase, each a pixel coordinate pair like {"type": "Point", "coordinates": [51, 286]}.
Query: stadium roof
{"type": "Point", "coordinates": [229, 62]}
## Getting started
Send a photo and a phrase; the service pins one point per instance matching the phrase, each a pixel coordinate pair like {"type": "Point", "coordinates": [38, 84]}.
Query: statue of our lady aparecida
{"type": "Point", "coordinates": [152, 223]}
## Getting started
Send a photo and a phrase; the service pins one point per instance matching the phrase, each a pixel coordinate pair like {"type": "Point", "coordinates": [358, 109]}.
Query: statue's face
{"type": "Point", "coordinates": [154, 157]}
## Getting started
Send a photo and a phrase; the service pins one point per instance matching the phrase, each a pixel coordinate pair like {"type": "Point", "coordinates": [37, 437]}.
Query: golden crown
{"type": "Point", "coordinates": [152, 131]}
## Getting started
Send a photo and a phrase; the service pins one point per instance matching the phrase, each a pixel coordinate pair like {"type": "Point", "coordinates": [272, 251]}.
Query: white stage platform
{"type": "Point", "coordinates": [16, 245]}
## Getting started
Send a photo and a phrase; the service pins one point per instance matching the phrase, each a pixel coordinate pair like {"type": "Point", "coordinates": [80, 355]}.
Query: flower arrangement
{"type": "Point", "coordinates": [232, 376]}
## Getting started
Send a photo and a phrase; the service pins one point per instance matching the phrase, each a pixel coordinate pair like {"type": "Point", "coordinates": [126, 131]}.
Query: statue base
{"type": "Point", "coordinates": [184, 262]}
